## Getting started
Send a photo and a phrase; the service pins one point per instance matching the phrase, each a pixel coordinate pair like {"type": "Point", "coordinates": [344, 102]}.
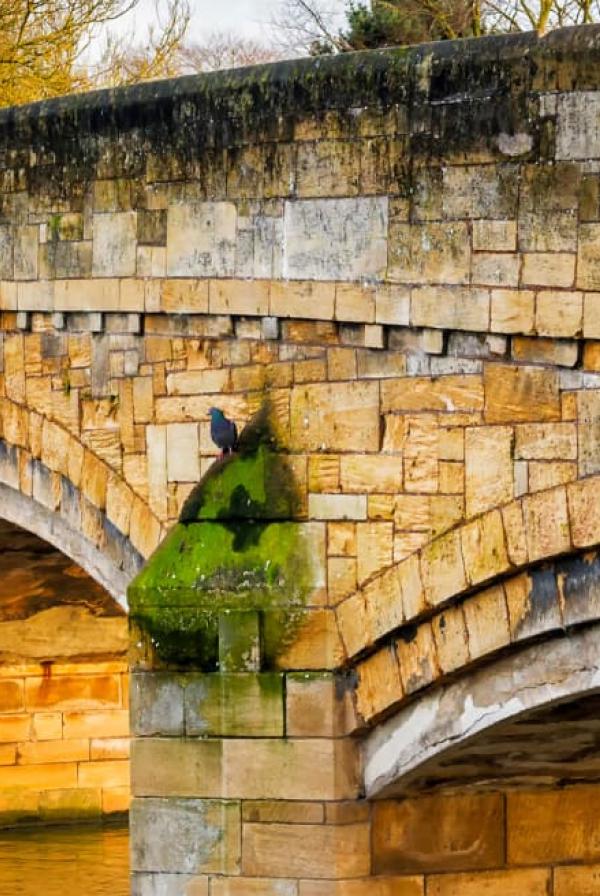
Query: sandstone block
{"type": "Point", "coordinates": [483, 548]}
{"type": "Point", "coordinates": [534, 882]}
{"type": "Point", "coordinates": [379, 683]}
{"type": "Point", "coordinates": [559, 313]}
{"type": "Point", "coordinates": [178, 296]}
{"type": "Point", "coordinates": [548, 269]}
{"type": "Point", "coordinates": [374, 543]}
{"type": "Point", "coordinates": [520, 394]}
{"type": "Point", "coordinates": [249, 297]}
{"type": "Point", "coordinates": [417, 658]}
{"type": "Point", "coordinates": [546, 441]}
{"type": "Point", "coordinates": [445, 833]}
{"type": "Point", "coordinates": [486, 618]}
{"type": "Point", "coordinates": [336, 417]}
{"type": "Point", "coordinates": [488, 467]}
{"type": "Point", "coordinates": [114, 246]}
{"type": "Point", "coordinates": [456, 309]}
{"type": "Point", "coordinates": [546, 523]}
{"type": "Point", "coordinates": [494, 236]}
{"type": "Point", "coordinates": [428, 253]}
{"type": "Point", "coordinates": [451, 640]}
{"type": "Point", "coordinates": [588, 256]}
{"type": "Point", "coordinates": [495, 269]}
{"type": "Point", "coordinates": [545, 351]}
{"type": "Point", "coordinates": [317, 705]}
{"type": "Point", "coordinates": [553, 826]}
{"type": "Point", "coordinates": [443, 569]}
{"type": "Point", "coordinates": [186, 836]}
{"type": "Point", "coordinates": [302, 299]}
{"type": "Point", "coordinates": [370, 473]}
{"type": "Point", "coordinates": [512, 311]}
{"type": "Point", "coordinates": [582, 881]}
{"type": "Point", "coordinates": [371, 886]}
{"type": "Point", "coordinates": [235, 705]}
{"type": "Point", "coordinates": [335, 239]}
{"type": "Point", "coordinates": [201, 239]}
{"type": "Point", "coordinates": [333, 851]}
{"type": "Point", "coordinates": [584, 513]}
{"type": "Point", "coordinates": [337, 507]}
{"type": "Point", "coordinates": [156, 704]}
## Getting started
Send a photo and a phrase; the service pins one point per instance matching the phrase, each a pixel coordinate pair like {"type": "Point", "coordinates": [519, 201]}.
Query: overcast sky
{"type": "Point", "coordinates": [249, 18]}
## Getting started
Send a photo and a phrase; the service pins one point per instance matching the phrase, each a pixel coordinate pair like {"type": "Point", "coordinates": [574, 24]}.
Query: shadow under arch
{"type": "Point", "coordinates": [112, 568]}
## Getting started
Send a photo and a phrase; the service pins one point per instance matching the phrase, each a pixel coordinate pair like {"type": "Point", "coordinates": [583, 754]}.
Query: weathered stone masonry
{"type": "Point", "coordinates": [390, 264]}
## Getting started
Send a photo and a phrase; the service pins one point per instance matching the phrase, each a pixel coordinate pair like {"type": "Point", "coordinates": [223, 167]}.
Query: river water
{"type": "Point", "coordinates": [65, 861]}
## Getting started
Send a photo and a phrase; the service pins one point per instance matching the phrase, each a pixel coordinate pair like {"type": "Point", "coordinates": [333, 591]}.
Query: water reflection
{"type": "Point", "coordinates": [66, 861]}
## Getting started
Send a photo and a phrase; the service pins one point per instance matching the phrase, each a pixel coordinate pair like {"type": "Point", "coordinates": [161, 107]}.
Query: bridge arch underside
{"type": "Point", "coordinates": [64, 728]}
{"type": "Point", "coordinates": [526, 720]}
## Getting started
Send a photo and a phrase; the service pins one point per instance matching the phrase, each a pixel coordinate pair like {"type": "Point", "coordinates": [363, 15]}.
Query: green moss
{"type": "Point", "coordinates": [235, 550]}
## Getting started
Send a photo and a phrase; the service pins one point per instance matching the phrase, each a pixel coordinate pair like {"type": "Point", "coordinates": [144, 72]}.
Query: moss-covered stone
{"type": "Point", "coordinates": [236, 550]}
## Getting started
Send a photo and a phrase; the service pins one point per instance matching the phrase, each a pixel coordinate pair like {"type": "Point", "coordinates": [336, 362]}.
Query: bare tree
{"type": "Point", "coordinates": [224, 49]}
{"type": "Point", "coordinates": [308, 26]}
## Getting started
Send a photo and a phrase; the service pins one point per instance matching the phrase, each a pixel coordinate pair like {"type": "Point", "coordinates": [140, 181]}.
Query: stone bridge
{"type": "Point", "coordinates": [365, 651]}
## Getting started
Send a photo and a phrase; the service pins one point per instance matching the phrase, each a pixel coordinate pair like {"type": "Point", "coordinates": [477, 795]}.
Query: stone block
{"type": "Point", "coordinates": [591, 314]}
{"type": "Point", "coordinates": [512, 311]}
{"type": "Point", "coordinates": [114, 247]}
{"type": "Point", "coordinates": [443, 569]}
{"type": "Point", "coordinates": [239, 641]}
{"type": "Point", "coordinates": [317, 705]}
{"type": "Point", "coordinates": [417, 658]}
{"type": "Point", "coordinates": [168, 885]}
{"type": "Point", "coordinates": [105, 774]}
{"type": "Point", "coordinates": [96, 723]}
{"type": "Point", "coordinates": [559, 314]}
{"type": "Point", "coordinates": [335, 239]}
{"type": "Point", "coordinates": [584, 881]}
{"type": "Point", "coordinates": [553, 269]}
{"type": "Point", "coordinates": [494, 235]}
{"type": "Point", "coordinates": [156, 704]}
{"type": "Point", "coordinates": [547, 474]}
{"type": "Point", "coordinates": [533, 604]}
{"type": "Point", "coordinates": [25, 252]}
{"type": "Point", "coordinates": [371, 886]}
{"type": "Point", "coordinates": [588, 257]}
{"type": "Point", "coordinates": [249, 297]}
{"type": "Point", "coordinates": [354, 302]}
{"type": "Point", "coordinates": [553, 826]}
{"type": "Point", "coordinates": [336, 417]}
{"type": "Point", "coordinates": [546, 441]}
{"type": "Point", "coordinates": [495, 269]}
{"type": "Point", "coordinates": [73, 692]}
{"type": "Point", "coordinates": [234, 705]}
{"type": "Point", "coordinates": [520, 394]}
{"type": "Point", "coordinates": [588, 432]}
{"type": "Point", "coordinates": [461, 393]}
{"type": "Point", "coordinates": [185, 836]}
{"type": "Point", "coordinates": [411, 582]}
{"type": "Point", "coordinates": [184, 296]}
{"type": "Point", "coordinates": [374, 548]}
{"type": "Point", "coordinates": [315, 851]}
{"type": "Point", "coordinates": [392, 305]}
{"type": "Point", "coordinates": [428, 253]}
{"type": "Point", "coordinates": [584, 513]}
{"type": "Point", "coordinates": [183, 452]}
{"type": "Point", "coordinates": [451, 640]}
{"type": "Point", "coordinates": [341, 578]}
{"type": "Point", "coordinates": [247, 886]}
{"type": "Point", "coordinates": [488, 467]}
{"type": "Point", "coordinates": [479, 191]}
{"type": "Point", "coordinates": [507, 882]}
{"type": "Point", "coordinates": [486, 618]}
{"type": "Point", "coordinates": [546, 524]}
{"type": "Point", "coordinates": [83, 804]}
{"type": "Point", "coordinates": [201, 239]}
{"type": "Point", "coordinates": [483, 548]}
{"type": "Point", "coordinates": [450, 308]}
{"type": "Point", "coordinates": [545, 351]}
{"type": "Point", "coordinates": [379, 683]}
{"type": "Point", "coordinates": [438, 833]}
{"type": "Point", "coordinates": [341, 539]}
{"type": "Point", "coordinates": [337, 507]}
{"type": "Point", "coordinates": [302, 299]}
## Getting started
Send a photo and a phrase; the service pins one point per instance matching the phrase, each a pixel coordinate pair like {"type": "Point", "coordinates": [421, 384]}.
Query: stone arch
{"type": "Point", "coordinates": [411, 749]}
{"type": "Point", "coordinates": [528, 530]}
{"type": "Point", "coordinates": [82, 502]}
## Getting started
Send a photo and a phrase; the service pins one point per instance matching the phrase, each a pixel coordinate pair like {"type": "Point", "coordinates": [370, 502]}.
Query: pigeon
{"type": "Point", "coordinates": [223, 432]}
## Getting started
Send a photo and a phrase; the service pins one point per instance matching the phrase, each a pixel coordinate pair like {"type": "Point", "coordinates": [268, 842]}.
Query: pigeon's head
{"type": "Point", "coordinates": [216, 414]}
